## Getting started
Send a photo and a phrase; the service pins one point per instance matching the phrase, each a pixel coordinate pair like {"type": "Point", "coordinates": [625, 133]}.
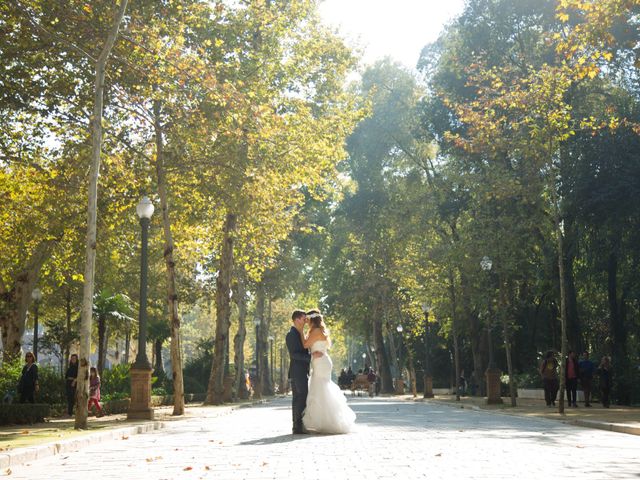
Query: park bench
{"type": "Point", "coordinates": [361, 384]}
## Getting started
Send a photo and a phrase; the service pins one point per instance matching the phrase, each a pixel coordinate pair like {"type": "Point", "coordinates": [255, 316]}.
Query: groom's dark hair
{"type": "Point", "coordinates": [297, 314]}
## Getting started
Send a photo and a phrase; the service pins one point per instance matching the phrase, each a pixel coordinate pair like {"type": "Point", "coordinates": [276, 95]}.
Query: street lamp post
{"type": "Point", "coordinates": [493, 373]}
{"type": "Point", "coordinates": [36, 295]}
{"type": "Point", "coordinates": [428, 377]}
{"type": "Point", "coordinates": [399, 381]}
{"type": "Point", "coordinates": [140, 406]}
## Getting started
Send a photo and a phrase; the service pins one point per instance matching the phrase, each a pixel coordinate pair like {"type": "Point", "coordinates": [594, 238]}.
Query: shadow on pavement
{"type": "Point", "coordinates": [279, 439]}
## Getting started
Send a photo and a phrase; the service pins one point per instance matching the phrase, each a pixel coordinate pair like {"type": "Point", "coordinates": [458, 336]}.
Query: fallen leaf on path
{"type": "Point", "coordinates": [264, 464]}
{"type": "Point", "coordinates": [438, 454]}
{"type": "Point", "coordinates": [579, 446]}
{"type": "Point", "coordinates": [25, 432]}
{"type": "Point", "coordinates": [7, 471]}
{"type": "Point", "coordinates": [125, 437]}
{"type": "Point", "coordinates": [207, 467]}
{"type": "Point", "coordinates": [185, 469]}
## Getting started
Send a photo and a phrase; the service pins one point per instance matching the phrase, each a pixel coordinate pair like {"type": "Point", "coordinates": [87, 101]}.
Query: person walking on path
{"type": "Point", "coordinates": [28, 383]}
{"type": "Point", "coordinates": [94, 391]}
{"type": "Point", "coordinates": [71, 378]}
{"type": "Point", "coordinates": [572, 373]}
{"type": "Point", "coordinates": [549, 372]}
{"type": "Point", "coordinates": [604, 373]}
{"type": "Point", "coordinates": [586, 367]}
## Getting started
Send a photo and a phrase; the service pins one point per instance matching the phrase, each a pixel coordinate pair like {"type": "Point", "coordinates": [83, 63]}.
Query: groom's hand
{"type": "Point", "coordinates": [317, 354]}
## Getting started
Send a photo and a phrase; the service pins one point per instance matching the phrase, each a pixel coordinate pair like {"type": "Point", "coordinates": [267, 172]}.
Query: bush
{"type": "Point", "coordinates": [9, 376]}
{"type": "Point", "coordinates": [116, 380]}
{"type": "Point", "coordinates": [531, 379]}
{"type": "Point", "coordinates": [21, 413]}
{"type": "Point", "coordinates": [198, 369]}
{"type": "Point", "coordinates": [51, 384]}
{"type": "Point", "coordinates": [162, 382]}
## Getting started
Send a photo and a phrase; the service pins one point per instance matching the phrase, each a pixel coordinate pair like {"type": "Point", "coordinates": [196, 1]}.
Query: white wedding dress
{"type": "Point", "coordinates": [327, 410]}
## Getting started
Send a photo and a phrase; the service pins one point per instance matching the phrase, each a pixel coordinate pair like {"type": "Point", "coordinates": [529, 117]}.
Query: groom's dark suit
{"type": "Point", "coordinates": [299, 360]}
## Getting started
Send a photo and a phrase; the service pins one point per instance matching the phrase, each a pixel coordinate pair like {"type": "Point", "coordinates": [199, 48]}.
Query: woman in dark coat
{"type": "Point", "coordinates": [28, 385]}
{"type": "Point", "coordinates": [71, 378]}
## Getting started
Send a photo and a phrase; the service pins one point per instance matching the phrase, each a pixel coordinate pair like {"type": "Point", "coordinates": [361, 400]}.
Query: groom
{"type": "Point", "coordinates": [299, 359]}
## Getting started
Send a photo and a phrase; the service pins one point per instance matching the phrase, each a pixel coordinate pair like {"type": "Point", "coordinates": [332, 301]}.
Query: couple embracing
{"type": "Point", "coordinates": [318, 404]}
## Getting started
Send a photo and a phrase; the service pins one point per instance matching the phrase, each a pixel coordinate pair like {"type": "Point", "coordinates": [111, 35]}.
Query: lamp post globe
{"type": "Point", "coordinates": [399, 328]}
{"type": "Point", "coordinates": [145, 208]}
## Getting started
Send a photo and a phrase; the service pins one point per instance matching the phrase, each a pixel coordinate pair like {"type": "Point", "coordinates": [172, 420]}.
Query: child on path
{"type": "Point", "coordinates": [94, 390]}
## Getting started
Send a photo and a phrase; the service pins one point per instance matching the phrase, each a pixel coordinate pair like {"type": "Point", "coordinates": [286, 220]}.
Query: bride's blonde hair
{"type": "Point", "coordinates": [316, 321]}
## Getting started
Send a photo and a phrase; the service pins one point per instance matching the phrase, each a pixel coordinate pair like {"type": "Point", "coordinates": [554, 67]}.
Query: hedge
{"type": "Point", "coordinates": [22, 413]}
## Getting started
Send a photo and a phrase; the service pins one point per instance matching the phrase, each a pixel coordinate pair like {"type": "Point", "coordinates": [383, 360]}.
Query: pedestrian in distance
{"type": "Point", "coordinates": [604, 374]}
{"type": "Point", "coordinates": [572, 373]}
{"type": "Point", "coordinates": [94, 391]}
{"type": "Point", "coordinates": [586, 377]}
{"type": "Point", "coordinates": [28, 383]}
{"type": "Point", "coordinates": [71, 379]}
{"type": "Point", "coordinates": [549, 373]}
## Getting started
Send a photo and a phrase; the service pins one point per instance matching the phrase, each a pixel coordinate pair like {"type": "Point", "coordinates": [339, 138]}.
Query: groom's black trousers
{"type": "Point", "coordinates": [299, 390]}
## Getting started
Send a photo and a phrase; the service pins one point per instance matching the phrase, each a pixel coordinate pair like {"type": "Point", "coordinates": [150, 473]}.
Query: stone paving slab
{"type": "Point", "coordinates": [619, 419]}
{"type": "Point", "coordinates": [112, 427]}
{"type": "Point", "coordinates": [393, 438]}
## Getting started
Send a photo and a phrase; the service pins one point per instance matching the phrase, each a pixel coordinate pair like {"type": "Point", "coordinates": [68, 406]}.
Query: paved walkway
{"type": "Point", "coordinates": [616, 418]}
{"type": "Point", "coordinates": [394, 438]}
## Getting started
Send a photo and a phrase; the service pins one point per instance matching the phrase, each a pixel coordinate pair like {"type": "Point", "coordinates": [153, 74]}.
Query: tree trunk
{"type": "Point", "coordinates": [265, 370]}
{"type": "Point", "coordinates": [127, 344]}
{"type": "Point", "coordinates": [102, 343]}
{"type": "Point", "coordinates": [159, 364]}
{"type": "Point", "coordinates": [172, 291]}
{"type": "Point", "coordinates": [504, 313]}
{"type": "Point", "coordinates": [618, 331]}
{"type": "Point", "coordinates": [67, 349]}
{"type": "Point", "coordinates": [574, 330]}
{"type": "Point", "coordinates": [381, 354]}
{"type": "Point", "coordinates": [563, 314]}
{"type": "Point", "coordinates": [16, 300]}
{"type": "Point", "coordinates": [454, 331]}
{"type": "Point", "coordinates": [240, 298]}
{"type": "Point", "coordinates": [82, 388]}
{"type": "Point", "coordinates": [215, 391]}
{"type": "Point", "coordinates": [259, 317]}
{"type": "Point", "coordinates": [412, 373]}
{"type": "Point", "coordinates": [479, 353]}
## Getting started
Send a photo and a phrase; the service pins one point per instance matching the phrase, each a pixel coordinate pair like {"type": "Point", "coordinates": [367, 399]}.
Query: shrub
{"type": "Point", "coordinates": [116, 380]}
{"type": "Point", "coordinates": [21, 413]}
{"type": "Point", "coordinates": [9, 376]}
{"type": "Point", "coordinates": [197, 369]}
{"type": "Point", "coordinates": [51, 384]}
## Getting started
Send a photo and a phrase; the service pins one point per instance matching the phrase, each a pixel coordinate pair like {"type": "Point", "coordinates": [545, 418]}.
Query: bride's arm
{"type": "Point", "coordinates": [312, 337]}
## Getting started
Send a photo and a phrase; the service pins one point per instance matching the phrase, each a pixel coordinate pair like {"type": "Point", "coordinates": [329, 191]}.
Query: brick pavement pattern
{"type": "Point", "coordinates": [393, 439]}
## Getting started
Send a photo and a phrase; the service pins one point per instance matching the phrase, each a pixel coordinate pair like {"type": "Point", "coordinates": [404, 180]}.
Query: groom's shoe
{"type": "Point", "coordinates": [299, 430]}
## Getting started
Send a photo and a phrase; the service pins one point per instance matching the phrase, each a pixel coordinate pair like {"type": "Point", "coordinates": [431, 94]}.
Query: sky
{"type": "Point", "coordinates": [394, 28]}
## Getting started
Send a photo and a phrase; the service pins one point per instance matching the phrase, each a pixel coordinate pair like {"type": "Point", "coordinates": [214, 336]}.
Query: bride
{"type": "Point", "coordinates": [327, 410]}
